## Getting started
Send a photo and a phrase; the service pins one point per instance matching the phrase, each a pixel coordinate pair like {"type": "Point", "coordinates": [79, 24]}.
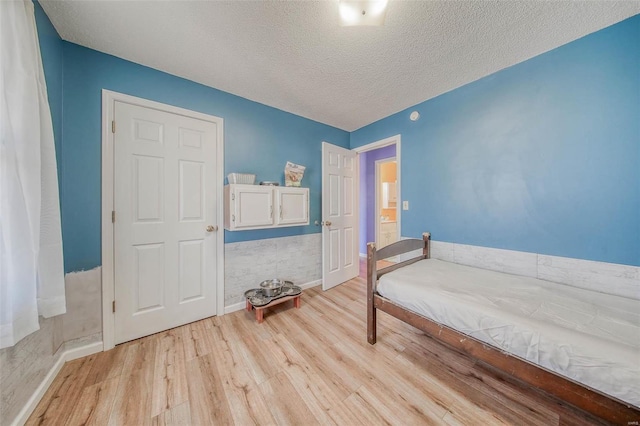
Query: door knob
{"type": "Point", "coordinates": [212, 228]}
{"type": "Point", "coordinates": [325, 223]}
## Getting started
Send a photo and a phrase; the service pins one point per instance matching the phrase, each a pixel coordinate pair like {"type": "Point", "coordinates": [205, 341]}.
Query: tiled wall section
{"type": "Point", "coordinates": [84, 304]}
{"type": "Point", "coordinates": [611, 278]}
{"type": "Point", "coordinates": [297, 258]}
{"type": "Point", "coordinates": [24, 366]}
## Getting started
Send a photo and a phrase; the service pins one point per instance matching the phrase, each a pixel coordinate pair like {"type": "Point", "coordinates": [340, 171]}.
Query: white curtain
{"type": "Point", "coordinates": [31, 267]}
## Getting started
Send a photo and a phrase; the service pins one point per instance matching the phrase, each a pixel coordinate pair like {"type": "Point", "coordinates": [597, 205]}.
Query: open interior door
{"type": "Point", "coordinates": [339, 216]}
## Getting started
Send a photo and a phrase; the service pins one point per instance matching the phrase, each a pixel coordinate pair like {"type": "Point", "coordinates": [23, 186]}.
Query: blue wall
{"type": "Point", "coordinates": [258, 139]}
{"type": "Point", "coordinates": [367, 194]}
{"type": "Point", "coordinates": [541, 157]}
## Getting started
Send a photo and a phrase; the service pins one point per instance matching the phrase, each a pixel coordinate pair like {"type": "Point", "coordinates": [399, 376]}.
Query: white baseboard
{"type": "Point", "coordinates": [241, 305]}
{"type": "Point", "coordinates": [89, 349]}
{"type": "Point", "coordinates": [234, 308]}
{"type": "Point", "coordinates": [67, 355]}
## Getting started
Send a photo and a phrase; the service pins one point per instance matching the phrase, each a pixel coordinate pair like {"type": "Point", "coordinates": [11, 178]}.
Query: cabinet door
{"type": "Point", "coordinates": [393, 193]}
{"type": "Point", "coordinates": [384, 239]}
{"type": "Point", "coordinates": [389, 195]}
{"type": "Point", "coordinates": [293, 206]}
{"type": "Point", "coordinates": [252, 206]}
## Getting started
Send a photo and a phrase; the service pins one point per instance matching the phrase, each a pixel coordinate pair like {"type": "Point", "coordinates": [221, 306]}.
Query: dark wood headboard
{"type": "Point", "coordinates": [395, 249]}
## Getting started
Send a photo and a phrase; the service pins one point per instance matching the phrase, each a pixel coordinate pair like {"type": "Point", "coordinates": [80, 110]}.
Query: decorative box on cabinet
{"type": "Point", "coordinates": [260, 207]}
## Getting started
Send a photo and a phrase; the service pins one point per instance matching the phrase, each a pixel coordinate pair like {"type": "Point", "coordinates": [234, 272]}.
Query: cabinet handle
{"type": "Point", "coordinates": [280, 212]}
{"type": "Point", "coordinates": [271, 212]}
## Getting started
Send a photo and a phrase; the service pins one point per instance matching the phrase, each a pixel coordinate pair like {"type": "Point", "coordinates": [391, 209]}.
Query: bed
{"type": "Point", "coordinates": [579, 345]}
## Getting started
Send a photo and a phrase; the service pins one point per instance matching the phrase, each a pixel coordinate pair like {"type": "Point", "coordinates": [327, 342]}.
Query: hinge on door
{"type": "Point", "coordinates": [113, 126]}
{"type": "Point", "coordinates": [233, 196]}
{"type": "Point", "coordinates": [113, 306]}
{"type": "Point", "coordinates": [113, 216]}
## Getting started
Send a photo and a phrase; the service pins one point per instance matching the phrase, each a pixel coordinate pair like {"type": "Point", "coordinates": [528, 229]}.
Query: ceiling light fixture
{"type": "Point", "coordinates": [362, 12]}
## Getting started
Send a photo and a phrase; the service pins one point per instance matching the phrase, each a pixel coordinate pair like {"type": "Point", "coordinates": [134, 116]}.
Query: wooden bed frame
{"type": "Point", "coordinates": [594, 402]}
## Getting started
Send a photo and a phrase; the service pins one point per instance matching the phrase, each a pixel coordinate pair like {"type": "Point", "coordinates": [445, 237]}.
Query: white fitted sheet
{"type": "Point", "coordinates": [590, 337]}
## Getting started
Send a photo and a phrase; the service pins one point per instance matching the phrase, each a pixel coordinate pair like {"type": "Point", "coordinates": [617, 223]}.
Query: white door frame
{"type": "Point", "coordinates": [381, 144]}
{"type": "Point", "coordinates": [378, 200]}
{"type": "Point", "coordinates": [109, 99]}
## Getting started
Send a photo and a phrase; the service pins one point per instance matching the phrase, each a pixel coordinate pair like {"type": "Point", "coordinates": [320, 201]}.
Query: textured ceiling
{"type": "Point", "coordinates": [294, 56]}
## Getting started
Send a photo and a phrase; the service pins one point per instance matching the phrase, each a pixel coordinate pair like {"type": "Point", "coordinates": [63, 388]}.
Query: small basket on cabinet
{"type": "Point", "coordinates": [243, 178]}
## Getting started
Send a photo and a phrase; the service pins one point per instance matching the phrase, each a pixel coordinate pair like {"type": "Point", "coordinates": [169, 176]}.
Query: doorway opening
{"type": "Point", "coordinates": [379, 219]}
{"type": "Point", "coordinates": [386, 200]}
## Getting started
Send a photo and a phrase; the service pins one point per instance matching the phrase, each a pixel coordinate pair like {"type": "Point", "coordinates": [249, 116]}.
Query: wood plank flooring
{"type": "Point", "coordinates": [304, 366]}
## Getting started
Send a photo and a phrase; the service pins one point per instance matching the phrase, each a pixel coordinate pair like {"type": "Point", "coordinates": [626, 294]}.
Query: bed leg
{"type": "Point", "coordinates": [426, 250]}
{"type": "Point", "coordinates": [371, 279]}
{"type": "Point", "coordinates": [371, 326]}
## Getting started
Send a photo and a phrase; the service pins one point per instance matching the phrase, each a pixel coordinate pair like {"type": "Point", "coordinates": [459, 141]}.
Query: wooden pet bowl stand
{"type": "Point", "coordinates": [260, 309]}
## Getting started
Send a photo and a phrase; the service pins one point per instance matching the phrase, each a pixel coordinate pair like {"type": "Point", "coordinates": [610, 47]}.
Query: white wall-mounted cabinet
{"type": "Point", "coordinates": [260, 207]}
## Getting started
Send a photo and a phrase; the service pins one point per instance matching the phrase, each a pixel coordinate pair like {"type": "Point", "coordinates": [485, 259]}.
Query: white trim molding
{"type": "Point", "coordinates": [109, 99]}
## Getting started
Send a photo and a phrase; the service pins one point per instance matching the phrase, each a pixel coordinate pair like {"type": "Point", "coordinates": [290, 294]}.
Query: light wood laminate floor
{"type": "Point", "coordinates": [304, 366]}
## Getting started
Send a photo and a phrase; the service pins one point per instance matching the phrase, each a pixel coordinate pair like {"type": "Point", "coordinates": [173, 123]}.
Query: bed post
{"type": "Point", "coordinates": [426, 250]}
{"type": "Point", "coordinates": [371, 281]}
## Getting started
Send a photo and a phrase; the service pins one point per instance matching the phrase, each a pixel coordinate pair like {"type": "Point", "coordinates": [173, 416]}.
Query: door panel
{"type": "Point", "coordinates": [192, 187]}
{"type": "Point", "coordinates": [339, 216]}
{"type": "Point", "coordinates": [191, 269]}
{"type": "Point", "coordinates": [149, 277]}
{"type": "Point", "coordinates": [164, 198]}
{"type": "Point", "coordinates": [147, 181]}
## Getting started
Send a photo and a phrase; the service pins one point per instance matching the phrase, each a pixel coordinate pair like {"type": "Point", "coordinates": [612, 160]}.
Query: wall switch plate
{"type": "Point", "coordinates": [405, 205]}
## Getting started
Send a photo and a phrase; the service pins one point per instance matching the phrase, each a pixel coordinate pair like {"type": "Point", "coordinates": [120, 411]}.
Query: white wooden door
{"type": "Point", "coordinates": [164, 201]}
{"type": "Point", "coordinates": [340, 261]}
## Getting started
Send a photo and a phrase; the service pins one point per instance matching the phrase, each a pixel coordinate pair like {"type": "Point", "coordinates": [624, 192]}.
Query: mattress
{"type": "Point", "coordinates": [590, 337]}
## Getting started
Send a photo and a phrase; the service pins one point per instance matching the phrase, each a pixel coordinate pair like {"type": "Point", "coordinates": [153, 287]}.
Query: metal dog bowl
{"type": "Point", "coordinates": [272, 287]}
